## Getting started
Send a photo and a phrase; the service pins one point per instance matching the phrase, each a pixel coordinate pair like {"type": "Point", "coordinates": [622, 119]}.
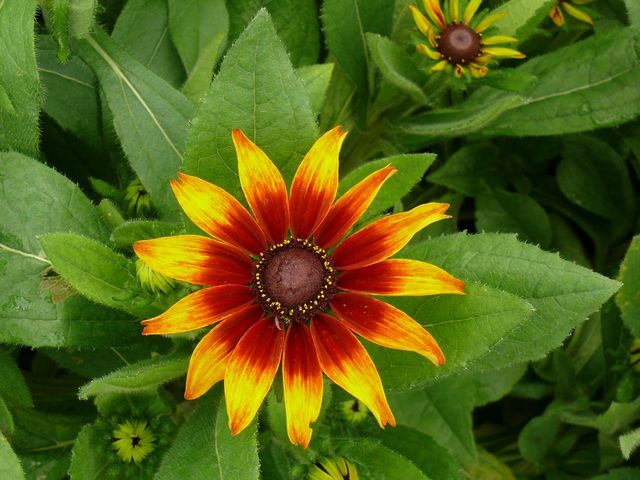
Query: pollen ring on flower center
{"type": "Point", "coordinates": [294, 280]}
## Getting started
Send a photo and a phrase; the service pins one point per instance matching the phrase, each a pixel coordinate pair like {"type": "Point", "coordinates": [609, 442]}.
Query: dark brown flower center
{"type": "Point", "coordinates": [459, 44]}
{"type": "Point", "coordinates": [294, 280]}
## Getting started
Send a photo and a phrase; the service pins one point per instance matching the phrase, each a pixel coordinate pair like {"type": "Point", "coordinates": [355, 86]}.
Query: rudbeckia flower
{"type": "Point", "coordinates": [457, 39]}
{"type": "Point", "coordinates": [558, 17]}
{"type": "Point", "coordinates": [283, 285]}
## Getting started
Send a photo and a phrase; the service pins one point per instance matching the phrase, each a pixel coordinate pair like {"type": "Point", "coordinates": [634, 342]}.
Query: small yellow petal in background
{"type": "Point", "coordinates": [489, 20]}
{"type": "Point", "coordinates": [496, 39]}
{"type": "Point", "coordinates": [424, 50]}
{"type": "Point", "coordinates": [438, 67]}
{"type": "Point", "coordinates": [504, 52]}
{"type": "Point", "coordinates": [434, 10]}
{"type": "Point", "coordinates": [577, 13]}
{"type": "Point", "coordinates": [419, 19]}
{"type": "Point", "coordinates": [470, 11]}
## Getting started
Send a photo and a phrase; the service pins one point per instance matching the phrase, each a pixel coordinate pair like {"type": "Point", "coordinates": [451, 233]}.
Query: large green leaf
{"type": "Point", "coordinates": [594, 176]}
{"type": "Point", "coordinates": [257, 91]}
{"type": "Point", "coordinates": [316, 80]}
{"type": "Point", "coordinates": [633, 10]}
{"type": "Point", "coordinates": [10, 467]}
{"type": "Point", "coordinates": [199, 30]}
{"type": "Point", "coordinates": [149, 116]}
{"type": "Point", "coordinates": [543, 297]}
{"type": "Point", "coordinates": [374, 460]}
{"type": "Point", "coordinates": [89, 458]}
{"type": "Point", "coordinates": [98, 273]}
{"type": "Point", "coordinates": [595, 87]}
{"type": "Point", "coordinates": [20, 91]}
{"type": "Point", "coordinates": [71, 95]}
{"type": "Point", "coordinates": [138, 376]}
{"type": "Point", "coordinates": [345, 25]}
{"type": "Point", "coordinates": [13, 388]}
{"type": "Point", "coordinates": [142, 30]}
{"type": "Point", "coordinates": [628, 298]}
{"type": "Point", "coordinates": [296, 22]}
{"type": "Point", "coordinates": [503, 211]}
{"type": "Point", "coordinates": [204, 448]}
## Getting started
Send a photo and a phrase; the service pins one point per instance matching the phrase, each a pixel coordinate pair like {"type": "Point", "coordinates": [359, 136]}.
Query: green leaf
{"type": "Point", "coordinates": [397, 67]}
{"type": "Point", "coordinates": [377, 461]}
{"type": "Point", "coordinates": [72, 99]}
{"type": "Point", "coordinates": [204, 448]}
{"type": "Point", "coordinates": [628, 298]}
{"type": "Point", "coordinates": [561, 293]}
{"type": "Point", "coordinates": [618, 417]}
{"type": "Point", "coordinates": [142, 31]}
{"type": "Point", "coordinates": [81, 14]}
{"type": "Point", "coordinates": [628, 473]}
{"type": "Point", "coordinates": [595, 88]}
{"type": "Point", "coordinates": [472, 170]}
{"type": "Point", "coordinates": [538, 437]}
{"type": "Point", "coordinates": [20, 91]}
{"type": "Point", "coordinates": [595, 177]}
{"type": "Point", "coordinates": [7, 425]}
{"type": "Point", "coordinates": [98, 273]}
{"type": "Point", "coordinates": [199, 30]}
{"type": "Point", "coordinates": [523, 16]}
{"type": "Point", "coordinates": [296, 22]}
{"type": "Point", "coordinates": [434, 460]}
{"type": "Point", "coordinates": [258, 91]}
{"type": "Point", "coordinates": [411, 169]}
{"type": "Point", "coordinates": [468, 328]}
{"type": "Point", "coordinates": [138, 376]}
{"type": "Point", "coordinates": [315, 79]}
{"type": "Point", "coordinates": [431, 411]}
{"type": "Point", "coordinates": [89, 459]}
{"type": "Point", "coordinates": [489, 467]}
{"type": "Point", "coordinates": [492, 385]}
{"type": "Point", "coordinates": [629, 442]}
{"type": "Point", "coordinates": [10, 467]}
{"type": "Point", "coordinates": [149, 116]}
{"type": "Point", "coordinates": [13, 388]}
{"type": "Point", "coordinates": [633, 10]}
{"type": "Point", "coordinates": [126, 234]}
{"type": "Point", "coordinates": [504, 211]}
{"type": "Point", "coordinates": [345, 25]}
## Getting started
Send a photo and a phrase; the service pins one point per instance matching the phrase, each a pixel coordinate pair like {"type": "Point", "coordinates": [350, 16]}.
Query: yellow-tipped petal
{"type": "Point", "coordinates": [489, 20]}
{"type": "Point", "coordinates": [470, 11]}
{"type": "Point", "coordinates": [497, 39]}
{"type": "Point", "coordinates": [434, 10]}
{"type": "Point", "coordinates": [454, 9]}
{"type": "Point", "coordinates": [577, 13]}
{"type": "Point", "coordinates": [438, 67]}
{"type": "Point", "coordinates": [424, 50]}
{"type": "Point", "coordinates": [477, 70]}
{"type": "Point", "coordinates": [482, 59]}
{"type": "Point", "coordinates": [557, 16]}
{"type": "Point", "coordinates": [419, 19]}
{"type": "Point", "coordinates": [458, 71]}
{"type": "Point", "coordinates": [504, 52]}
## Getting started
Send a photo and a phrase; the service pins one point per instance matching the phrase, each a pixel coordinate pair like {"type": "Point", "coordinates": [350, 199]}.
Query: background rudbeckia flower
{"type": "Point", "coordinates": [271, 291]}
{"type": "Point", "coordinates": [456, 38]}
{"type": "Point", "coordinates": [558, 17]}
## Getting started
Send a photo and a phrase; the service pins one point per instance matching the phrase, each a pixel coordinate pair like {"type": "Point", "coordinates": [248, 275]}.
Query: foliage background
{"type": "Point", "coordinates": [540, 162]}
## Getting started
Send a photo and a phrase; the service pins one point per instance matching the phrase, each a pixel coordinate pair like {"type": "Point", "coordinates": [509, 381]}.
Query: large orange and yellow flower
{"type": "Point", "coordinates": [281, 290]}
{"type": "Point", "coordinates": [456, 39]}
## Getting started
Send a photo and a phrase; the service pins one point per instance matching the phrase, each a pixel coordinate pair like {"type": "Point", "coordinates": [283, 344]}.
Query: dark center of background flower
{"type": "Point", "coordinates": [294, 280]}
{"type": "Point", "coordinates": [459, 44]}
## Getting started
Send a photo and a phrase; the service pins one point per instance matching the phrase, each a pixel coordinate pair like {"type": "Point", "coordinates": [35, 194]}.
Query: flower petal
{"type": "Point", "coordinates": [399, 277]}
{"type": "Point", "coordinates": [218, 213]}
{"type": "Point", "coordinates": [384, 237]}
{"type": "Point", "coordinates": [478, 70]}
{"type": "Point", "coordinates": [438, 67]}
{"type": "Point", "coordinates": [385, 325]}
{"type": "Point", "coordinates": [250, 372]}
{"type": "Point", "coordinates": [503, 52]}
{"type": "Point", "coordinates": [489, 20]}
{"type": "Point", "coordinates": [458, 71]}
{"type": "Point", "coordinates": [350, 207]}
{"type": "Point", "coordinates": [210, 357]}
{"type": "Point", "coordinates": [419, 19]}
{"type": "Point", "coordinates": [425, 50]}
{"type": "Point", "coordinates": [202, 308]}
{"type": "Point", "coordinates": [196, 259]}
{"type": "Point", "coordinates": [315, 184]}
{"type": "Point", "coordinates": [577, 13]}
{"type": "Point", "coordinates": [302, 383]}
{"type": "Point", "coordinates": [263, 187]}
{"type": "Point", "coordinates": [470, 11]}
{"type": "Point", "coordinates": [496, 39]}
{"type": "Point", "coordinates": [347, 363]}
{"type": "Point", "coordinates": [557, 16]}
{"type": "Point", "coordinates": [454, 8]}
{"type": "Point", "coordinates": [434, 10]}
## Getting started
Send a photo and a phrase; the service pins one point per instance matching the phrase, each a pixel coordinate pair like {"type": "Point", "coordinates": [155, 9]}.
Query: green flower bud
{"type": "Point", "coordinates": [153, 281]}
{"type": "Point", "coordinates": [354, 411]}
{"type": "Point", "coordinates": [336, 468]}
{"type": "Point", "coordinates": [137, 199]}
